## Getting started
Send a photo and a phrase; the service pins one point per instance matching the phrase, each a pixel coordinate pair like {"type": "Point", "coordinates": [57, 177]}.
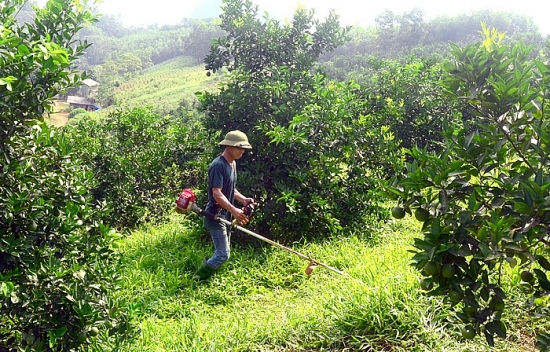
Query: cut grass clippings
{"type": "Point", "coordinates": [261, 300]}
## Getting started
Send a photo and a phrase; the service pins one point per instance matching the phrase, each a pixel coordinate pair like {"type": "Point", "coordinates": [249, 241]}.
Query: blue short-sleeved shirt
{"type": "Point", "coordinates": [221, 175]}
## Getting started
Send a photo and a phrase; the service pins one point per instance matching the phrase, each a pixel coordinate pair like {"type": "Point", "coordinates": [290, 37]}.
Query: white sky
{"type": "Point", "coordinates": [361, 12]}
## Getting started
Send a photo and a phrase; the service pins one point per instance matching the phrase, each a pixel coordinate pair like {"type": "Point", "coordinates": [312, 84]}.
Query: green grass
{"type": "Point", "coordinates": [261, 300]}
{"type": "Point", "coordinates": [165, 85]}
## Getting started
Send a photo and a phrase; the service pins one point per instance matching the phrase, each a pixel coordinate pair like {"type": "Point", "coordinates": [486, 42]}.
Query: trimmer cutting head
{"type": "Point", "coordinates": [312, 265]}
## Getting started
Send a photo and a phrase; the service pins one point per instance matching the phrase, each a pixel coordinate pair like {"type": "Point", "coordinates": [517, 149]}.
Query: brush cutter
{"type": "Point", "coordinates": [186, 203]}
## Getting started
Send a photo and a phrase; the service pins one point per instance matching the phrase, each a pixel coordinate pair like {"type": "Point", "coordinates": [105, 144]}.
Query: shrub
{"type": "Point", "coordinates": [333, 170]}
{"type": "Point", "coordinates": [408, 94]}
{"type": "Point", "coordinates": [141, 161]}
{"type": "Point", "coordinates": [77, 111]}
{"type": "Point", "coordinates": [56, 267]}
{"type": "Point", "coordinates": [485, 196]}
{"type": "Point", "coordinates": [78, 118]}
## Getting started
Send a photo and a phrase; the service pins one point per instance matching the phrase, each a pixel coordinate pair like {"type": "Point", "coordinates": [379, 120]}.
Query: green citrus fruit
{"type": "Point", "coordinates": [448, 271]}
{"type": "Point", "coordinates": [456, 296]}
{"type": "Point", "coordinates": [421, 214]}
{"type": "Point", "coordinates": [430, 268]}
{"type": "Point", "coordinates": [94, 331]}
{"type": "Point", "coordinates": [468, 332]}
{"type": "Point", "coordinates": [82, 336]}
{"type": "Point", "coordinates": [426, 285]}
{"type": "Point", "coordinates": [33, 226]}
{"type": "Point", "coordinates": [527, 276]}
{"type": "Point", "coordinates": [398, 212]}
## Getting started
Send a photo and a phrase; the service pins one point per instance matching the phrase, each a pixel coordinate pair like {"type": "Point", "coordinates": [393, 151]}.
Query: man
{"type": "Point", "coordinates": [222, 178]}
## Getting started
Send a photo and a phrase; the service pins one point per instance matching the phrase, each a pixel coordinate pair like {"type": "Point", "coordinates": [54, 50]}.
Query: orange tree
{"type": "Point", "coordinates": [311, 139]}
{"type": "Point", "coordinates": [140, 160]}
{"type": "Point", "coordinates": [36, 58]}
{"type": "Point", "coordinates": [56, 266]}
{"type": "Point", "coordinates": [485, 198]}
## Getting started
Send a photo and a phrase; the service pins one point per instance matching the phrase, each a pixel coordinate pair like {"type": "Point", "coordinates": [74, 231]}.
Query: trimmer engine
{"type": "Point", "coordinates": [185, 201]}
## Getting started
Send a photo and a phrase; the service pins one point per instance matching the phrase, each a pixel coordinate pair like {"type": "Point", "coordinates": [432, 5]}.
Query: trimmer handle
{"type": "Point", "coordinates": [249, 209]}
{"type": "Point", "coordinates": [199, 211]}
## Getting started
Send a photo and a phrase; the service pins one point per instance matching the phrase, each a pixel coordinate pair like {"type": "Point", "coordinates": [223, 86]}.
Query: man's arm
{"type": "Point", "coordinates": [223, 202]}
{"type": "Point", "coordinates": [242, 199]}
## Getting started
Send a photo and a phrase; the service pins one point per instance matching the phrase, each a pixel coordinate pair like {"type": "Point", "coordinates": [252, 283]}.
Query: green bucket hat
{"type": "Point", "coordinates": [236, 139]}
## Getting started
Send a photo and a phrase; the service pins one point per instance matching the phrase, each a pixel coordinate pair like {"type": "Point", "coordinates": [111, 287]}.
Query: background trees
{"type": "Point", "coordinates": [396, 35]}
{"type": "Point", "coordinates": [407, 96]}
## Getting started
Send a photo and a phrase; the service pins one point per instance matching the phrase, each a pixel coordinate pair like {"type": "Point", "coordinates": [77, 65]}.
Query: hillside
{"type": "Point", "coordinates": [165, 86]}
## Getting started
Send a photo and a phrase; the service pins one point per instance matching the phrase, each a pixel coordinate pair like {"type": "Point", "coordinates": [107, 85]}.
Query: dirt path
{"type": "Point", "coordinates": [58, 117]}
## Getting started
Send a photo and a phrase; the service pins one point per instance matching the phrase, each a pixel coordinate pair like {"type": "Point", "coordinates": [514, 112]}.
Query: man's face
{"type": "Point", "coordinates": [236, 152]}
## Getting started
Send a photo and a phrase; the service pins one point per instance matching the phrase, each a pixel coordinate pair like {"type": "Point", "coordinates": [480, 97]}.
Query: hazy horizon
{"type": "Point", "coordinates": [351, 12]}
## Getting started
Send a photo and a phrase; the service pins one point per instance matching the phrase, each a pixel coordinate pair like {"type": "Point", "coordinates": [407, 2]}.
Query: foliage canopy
{"type": "Point", "coordinates": [487, 191]}
{"type": "Point", "coordinates": [56, 265]}
{"type": "Point", "coordinates": [306, 168]}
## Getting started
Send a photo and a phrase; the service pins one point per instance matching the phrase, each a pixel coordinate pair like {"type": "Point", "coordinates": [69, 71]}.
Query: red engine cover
{"type": "Point", "coordinates": [185, 199]}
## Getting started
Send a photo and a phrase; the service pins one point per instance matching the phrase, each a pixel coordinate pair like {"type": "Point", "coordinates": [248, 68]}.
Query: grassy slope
{"type": "Point", "coordinates": [262, 300]}
{"type": "Point", "coordinates": [165, 85]}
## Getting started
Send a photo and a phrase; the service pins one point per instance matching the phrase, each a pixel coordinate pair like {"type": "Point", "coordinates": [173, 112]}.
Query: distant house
{"type": "Point", "coordinates": [89, 88]}
{"type": "Point", "coordinates": [86, 99]}
{"type": "Point", "coordinates": [81, 102]}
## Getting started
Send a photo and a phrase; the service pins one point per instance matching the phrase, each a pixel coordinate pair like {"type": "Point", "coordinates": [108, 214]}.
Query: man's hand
{"type": "Point", "coordinates": [248, 200]}
{"type": "Point", "coordinates": [240, 216]}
